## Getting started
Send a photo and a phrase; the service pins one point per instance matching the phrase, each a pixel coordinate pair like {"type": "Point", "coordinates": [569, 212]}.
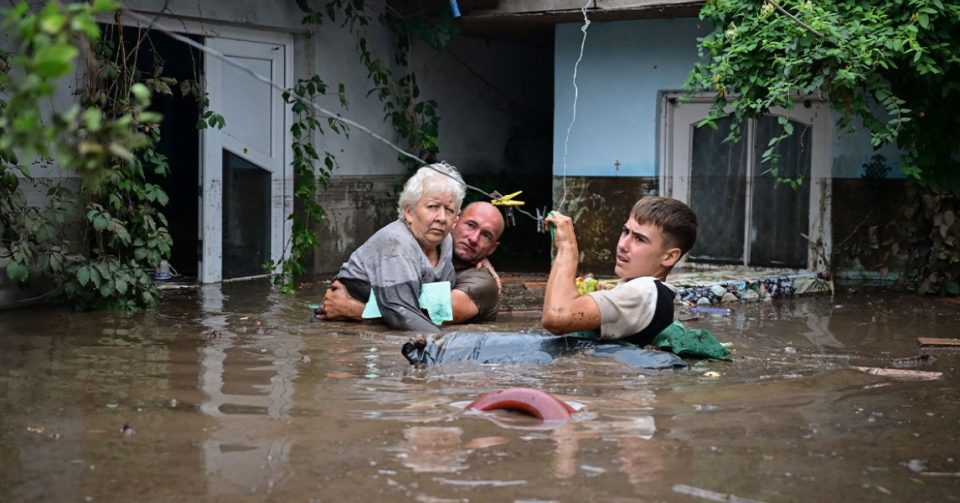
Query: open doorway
{"type": "Point", "coordinates": [179, 139]}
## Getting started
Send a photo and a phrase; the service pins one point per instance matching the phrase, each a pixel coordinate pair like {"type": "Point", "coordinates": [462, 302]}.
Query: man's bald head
{"type": "Point", "coordinates": [477, 232]}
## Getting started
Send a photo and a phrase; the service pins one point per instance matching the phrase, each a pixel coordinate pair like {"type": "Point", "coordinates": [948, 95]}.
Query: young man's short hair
{"type": "Point", "coordinates": [677, 220]}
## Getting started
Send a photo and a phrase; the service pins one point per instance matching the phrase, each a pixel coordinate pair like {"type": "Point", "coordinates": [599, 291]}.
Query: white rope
{"type": "Point", "coordinates": [233, 62]}
{"type": "Point", "coordinates": [576, 93]}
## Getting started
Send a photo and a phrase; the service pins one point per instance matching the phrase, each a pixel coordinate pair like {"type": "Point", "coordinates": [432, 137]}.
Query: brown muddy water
{"type": "Point", "coordinates": [232, 394]}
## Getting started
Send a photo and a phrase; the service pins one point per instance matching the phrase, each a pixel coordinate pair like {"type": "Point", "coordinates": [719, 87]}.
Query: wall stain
{"type": "Point", "coordinates": [599, 206]}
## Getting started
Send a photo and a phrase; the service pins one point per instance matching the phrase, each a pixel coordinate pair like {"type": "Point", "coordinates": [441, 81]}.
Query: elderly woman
{"type": "Point", "coordinates": [416, 249]}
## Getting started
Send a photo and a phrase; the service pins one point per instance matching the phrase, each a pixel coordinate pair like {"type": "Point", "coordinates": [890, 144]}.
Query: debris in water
{"type": "Point", "coordinates": [710, 495]}
{"type": "Point", "coordinates": [917, 465]}
{"type": "Point", "coordinates": [596, 470]}
{"type": "Point", "coordinates": [938, 342]}
{"type": "Point", "coordinates": [722, 311]}
{"type": "Point", "coordinates": [922, 375]}
{"type": "Point", "coordinates": [912, 361]}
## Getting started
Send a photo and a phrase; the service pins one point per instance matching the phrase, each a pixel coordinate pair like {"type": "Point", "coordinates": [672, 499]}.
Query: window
{"type": "Point", "coordinates": [746, 215]}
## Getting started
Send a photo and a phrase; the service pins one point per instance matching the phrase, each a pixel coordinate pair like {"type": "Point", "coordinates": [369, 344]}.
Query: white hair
{"type": "Point", "coordinates": [439, 178]}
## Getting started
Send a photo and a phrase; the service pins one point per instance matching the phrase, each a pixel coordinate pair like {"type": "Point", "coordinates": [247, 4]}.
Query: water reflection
{"type": "Point", "coordinates": [433, 449]}
{"type": "Point", "coordinates": [819, 332]}
{"type": "Point", "coordinates": [248, 377]}
{"type": "Point", "coordinates": [227, 407]}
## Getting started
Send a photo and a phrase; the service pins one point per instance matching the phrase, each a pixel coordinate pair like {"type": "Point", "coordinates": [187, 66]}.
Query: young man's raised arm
{"type": "Point", "coordinates": [564, 309]}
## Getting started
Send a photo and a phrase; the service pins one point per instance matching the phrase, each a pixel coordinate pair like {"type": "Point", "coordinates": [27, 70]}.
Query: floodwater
{"type": "Point", "coordinates": [232, 394]}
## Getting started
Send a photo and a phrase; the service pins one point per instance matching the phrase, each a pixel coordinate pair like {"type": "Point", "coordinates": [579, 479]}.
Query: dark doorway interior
{"type": "Point", "coordinates": [179, 140]}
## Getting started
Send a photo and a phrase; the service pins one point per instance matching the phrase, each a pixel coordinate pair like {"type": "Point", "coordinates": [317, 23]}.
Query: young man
{"type": "Point", "coordinates": [475, 296]}
{"type": "Point", "coordinates": [660, 230]}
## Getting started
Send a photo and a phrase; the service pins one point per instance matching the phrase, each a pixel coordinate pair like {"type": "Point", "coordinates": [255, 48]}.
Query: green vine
{"type": "Point", "coordinates": [763, 54]}
{"type": "Point", "coordinates": [98, 243]}
{"type": "Point", "coordinates": [415, 120]}
{"type": "Point", "coordinates": [308, 172]}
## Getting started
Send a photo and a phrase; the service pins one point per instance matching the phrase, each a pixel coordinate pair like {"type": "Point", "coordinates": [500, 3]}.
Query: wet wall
{"type": "Point", "coordinates": [600, 206]}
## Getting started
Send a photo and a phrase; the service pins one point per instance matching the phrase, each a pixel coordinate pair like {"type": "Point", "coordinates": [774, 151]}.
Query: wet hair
{"type": "Point", "coordinates": [439, 178]}
{"type": "Point", "coordinates": [677, 221]}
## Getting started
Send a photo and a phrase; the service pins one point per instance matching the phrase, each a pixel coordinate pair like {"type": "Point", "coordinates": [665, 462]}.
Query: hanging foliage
{"type": "Point", "coordinates": [98, 241]}
{"type": "Point", "coordinates": [890, 66]}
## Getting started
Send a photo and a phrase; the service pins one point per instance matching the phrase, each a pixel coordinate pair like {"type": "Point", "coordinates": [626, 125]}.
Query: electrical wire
{"type": "Point", "coordinates": [576, 93]}
{"type": "Point", "coordinates": [151, 25]}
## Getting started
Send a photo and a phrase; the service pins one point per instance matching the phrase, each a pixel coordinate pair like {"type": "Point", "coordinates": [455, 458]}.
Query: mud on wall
{"type": "Point", "coordinates": [599, 207]}
{"type": "Point", "coordinates": [356, 206]}
{"type": "Point", "coordinates": [863, 211]}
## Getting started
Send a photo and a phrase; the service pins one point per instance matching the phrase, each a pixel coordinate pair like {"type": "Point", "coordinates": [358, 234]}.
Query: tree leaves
{"type": "Point", "coordinates": [891, 66]}
{"type": "Point", "coordinates": [109, 137]}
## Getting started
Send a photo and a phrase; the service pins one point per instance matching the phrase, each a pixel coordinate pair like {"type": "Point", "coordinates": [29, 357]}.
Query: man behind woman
{"type": "Point", "coordinates": [416, 249]}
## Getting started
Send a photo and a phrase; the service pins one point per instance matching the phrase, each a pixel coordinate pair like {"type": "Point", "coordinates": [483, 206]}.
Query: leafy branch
{"type": "Point", "coordinates": [890, 66]}
{"type": "Point", "coordinates": [308, 172]}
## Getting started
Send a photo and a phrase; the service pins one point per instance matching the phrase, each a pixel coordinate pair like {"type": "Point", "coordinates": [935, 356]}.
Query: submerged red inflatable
{"type": "Point", "coordinates": [534, 402]}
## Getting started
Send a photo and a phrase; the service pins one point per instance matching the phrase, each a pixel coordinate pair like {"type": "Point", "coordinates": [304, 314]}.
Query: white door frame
{"type": "Point", "coordinates": [215, 141]}
{"type": "Point", "coordinates": [674, 160]}
{"type": "Point", "coordinates": [209, 272]}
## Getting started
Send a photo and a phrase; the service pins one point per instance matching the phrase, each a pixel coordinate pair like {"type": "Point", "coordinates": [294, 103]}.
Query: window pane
{"type": "Point", "coordinates": [250, 123]}
{"type": "Point", "coordinates": [718, 193]}
{"type": "Point", "coordinates": [780, 213]}
{"type": "Point", "coordinates": [246, 217]}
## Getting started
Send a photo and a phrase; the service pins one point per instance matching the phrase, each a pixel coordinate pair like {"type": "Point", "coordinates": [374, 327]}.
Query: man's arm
{"type": "Point", "coordinates": [463, 307]}
{"type": "Point", "coordinates": [564, 309]}
{"type": "Point", "coordinates": [338, 305]}
{"type": "Point", "coordinates": [475, 294]}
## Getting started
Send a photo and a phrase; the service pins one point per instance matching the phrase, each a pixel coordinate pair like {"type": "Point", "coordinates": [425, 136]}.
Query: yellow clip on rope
{"type": "Point", "coordinates": [507, 200]}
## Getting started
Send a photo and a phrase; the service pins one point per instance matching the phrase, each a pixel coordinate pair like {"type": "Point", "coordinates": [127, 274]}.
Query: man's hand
{"type": "Point", "coordinates": [339, 305]}
{"type": "Point", "coordinates": [489, 267]}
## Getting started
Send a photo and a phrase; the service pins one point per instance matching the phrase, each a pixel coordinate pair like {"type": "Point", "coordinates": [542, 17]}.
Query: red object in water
{"type": "Point", "coordinates": [534, 402]}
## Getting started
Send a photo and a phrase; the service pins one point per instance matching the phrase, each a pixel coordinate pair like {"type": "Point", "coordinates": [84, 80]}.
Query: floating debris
{"type": "Point", "coordinates": [938, 342]}
{"type": "Point", "coordinates": [710, 495]}
{"type": "Point", "coordinates": [480, 483]}
{"type": "Point", "coordinates": [922, 375]}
